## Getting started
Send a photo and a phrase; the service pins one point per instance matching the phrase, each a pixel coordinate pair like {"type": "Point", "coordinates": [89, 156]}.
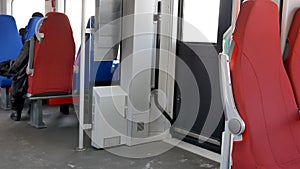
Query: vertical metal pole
{"type": "Point", "coordinates": [235, 10]}
{"type": "Point", "coordinates": [82, 65]}
{"type": "Point", "coordinates": [226, 149]}
{"type": "Point", "coordinates": [65, 6]}
{"type": "Point", "coordinates": [11, 7]}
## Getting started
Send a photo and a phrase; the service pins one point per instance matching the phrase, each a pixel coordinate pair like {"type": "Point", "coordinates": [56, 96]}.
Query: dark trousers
{"type": "Point", "coordinates": [18, 90]}
{"type": "Point", "coordinates": [19, 84]}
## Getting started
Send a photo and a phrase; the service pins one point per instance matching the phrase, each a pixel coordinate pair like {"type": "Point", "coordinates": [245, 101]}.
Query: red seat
{"type": "Point", "coordinates": [53, 57]}
{"type": "Point", "coordinates": [292, 62]}
{"type": "Point", "coordinates": [262, 92]}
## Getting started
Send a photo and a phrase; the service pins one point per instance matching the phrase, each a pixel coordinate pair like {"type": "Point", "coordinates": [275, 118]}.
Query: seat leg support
{"type": "Point", "coordinates": [226, 149]}
{"type": "Point", "coordinates": [4, 99]}
{"type": "Point", "coordinates": [36, 114]}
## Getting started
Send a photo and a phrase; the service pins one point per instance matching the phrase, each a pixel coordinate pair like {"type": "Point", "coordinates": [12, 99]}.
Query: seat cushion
{"type": "Point", "coordinates": [5, 82]}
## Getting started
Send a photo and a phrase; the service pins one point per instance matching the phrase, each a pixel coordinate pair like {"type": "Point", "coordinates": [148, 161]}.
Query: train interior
{"type": "Point", "coordinates": [150, 84]}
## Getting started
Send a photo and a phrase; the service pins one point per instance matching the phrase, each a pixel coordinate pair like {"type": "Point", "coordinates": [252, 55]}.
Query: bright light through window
{"type": "Point", "coordinates": [23, 9]}
{"type": "Point", "coordinates": [200, 16]}
{"type": "Point", "coordinates": [73, 10]}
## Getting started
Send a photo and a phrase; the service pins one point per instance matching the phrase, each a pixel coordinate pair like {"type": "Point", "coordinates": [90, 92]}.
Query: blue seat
{"type": "Point", "coordinates": [100, 71]}
{"type": "Point", "coordinates": [10, 47]}
{"type": "Point", "coordinates": [97, 72]}
{"type": "Point", "coordinates": [30, 28]}
{"type": "Point", "coordinates": [10, 43]}
{"type": "Point", "coordinates": [5, 82]}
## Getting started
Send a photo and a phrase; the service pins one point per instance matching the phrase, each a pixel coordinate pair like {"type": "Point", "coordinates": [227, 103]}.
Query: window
{"type": "Point", "coordinates": [200, 20]}
{"type": "Point", "coordinates": [73, 10]}
{"type": "Point", "coordinates": [22, 10]}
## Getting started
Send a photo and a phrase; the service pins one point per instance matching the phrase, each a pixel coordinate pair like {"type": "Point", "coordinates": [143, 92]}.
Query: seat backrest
{"type": "Point", "coordinates": [99, 72]}
{"type": "Point", "coordinates": [10, 42]}
{"type": "Point", "coordinates": [30, 28]}
{"type": "Point", "coordinates": [53, 57]}
{"type": "Point", "coordinates": [292, 62]}
{"type": "Point", "coordinates": [262, 91]}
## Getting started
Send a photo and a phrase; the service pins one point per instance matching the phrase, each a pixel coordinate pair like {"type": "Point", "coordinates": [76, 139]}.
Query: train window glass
{"type": "Point", "coordinates": [200, 21]}
{"type": "Point", "coordinates": [73, 10]}
{"type": "Point", "coordinates": [23, 10]}
{"type": "Point", "coordinates": [277, 2]}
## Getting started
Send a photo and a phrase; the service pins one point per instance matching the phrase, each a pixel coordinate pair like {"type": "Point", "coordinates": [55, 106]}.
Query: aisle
{"type": "Point", "coordinates": [24, 147]}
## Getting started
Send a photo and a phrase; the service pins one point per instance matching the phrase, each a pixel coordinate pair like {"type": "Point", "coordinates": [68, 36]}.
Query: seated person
{"type": "Point", "coordinates": [22, 32]}
{"type": "Point", "coordinates": [19, 82]}
{"type": "Point", "coordinates": [17, 70]}
{"type": "Point", "coordinates": [29, 30]}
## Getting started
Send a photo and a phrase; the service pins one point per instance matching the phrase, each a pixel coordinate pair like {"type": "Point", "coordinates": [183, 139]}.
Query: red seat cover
{"type": "Point", "coordinates": [292, 63]}
{"type": "Point", "coordinates": [53, 57]}
{"type": "Point", "coordinates": [262, 92]}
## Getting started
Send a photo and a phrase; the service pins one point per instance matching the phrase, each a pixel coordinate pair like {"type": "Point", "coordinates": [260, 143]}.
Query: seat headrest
{"type": "Point", "coordinates": [56, 24]}
{"type": "Point", "coordinates": [10, 41]}
{"type": "Point", "coordinates": [247, 35]}
{"type": "Point", "coordinates": [30, 28]}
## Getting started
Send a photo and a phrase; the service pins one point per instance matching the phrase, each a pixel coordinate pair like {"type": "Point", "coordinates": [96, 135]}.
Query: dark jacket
{"type": "Point", "coordinates": [11, 68]}
{"type": "Point", "coordinates": [18, 70]}
{"type": "Point", "coordinates": [4, 68]}
{"type": "Point", "coordinates": [21, 62]}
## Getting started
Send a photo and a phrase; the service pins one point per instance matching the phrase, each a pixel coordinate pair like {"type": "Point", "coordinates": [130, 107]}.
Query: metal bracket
{"type": "Point", "coordinates": [39, 36]}
{"type": "Point", "coordinates": [87, 126]}
{"type": "Point", "coordinates": [29, 69]}
{"type": "Point", "coordinates": [156, 17]}
{"type": "Point", "coordinates": [36, 114]}
{"type": "Point", "coordinates": [4, 99]}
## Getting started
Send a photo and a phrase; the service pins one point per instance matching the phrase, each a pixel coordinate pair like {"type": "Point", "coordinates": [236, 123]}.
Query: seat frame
{"type": "Point", "coordinates": [4, 98]}
{"type": "Point", "coordinates": [36, 111]}
{"type": "Point", "coordinates": [234, 125]}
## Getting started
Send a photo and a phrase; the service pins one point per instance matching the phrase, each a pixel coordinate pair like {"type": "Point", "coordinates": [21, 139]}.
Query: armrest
{"type": "Point", "coordinates": [236, 125]}
{"type": "Point", "coordinates": [30, 70]}
{"type": "Point", "coordinates": [39, 36]}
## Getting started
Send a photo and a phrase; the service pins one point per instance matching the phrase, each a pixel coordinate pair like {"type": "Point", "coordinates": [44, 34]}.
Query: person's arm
{"type": "Point", "coordinates": [21, 60]}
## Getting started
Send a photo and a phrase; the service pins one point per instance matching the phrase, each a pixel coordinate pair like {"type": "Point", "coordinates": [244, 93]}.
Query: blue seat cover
{"type": "Point", "coordinates": [95, 71]}
{"type": "Point", "coordinates": [30, 28]}
{"type": "Point", "coordinates": [10, 43]}
{"type": "Point", "coordinates": [5, 82]}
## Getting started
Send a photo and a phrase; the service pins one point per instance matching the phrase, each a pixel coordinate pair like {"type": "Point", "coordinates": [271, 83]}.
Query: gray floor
{"type": "Point", "coordinates": [24, 147]}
